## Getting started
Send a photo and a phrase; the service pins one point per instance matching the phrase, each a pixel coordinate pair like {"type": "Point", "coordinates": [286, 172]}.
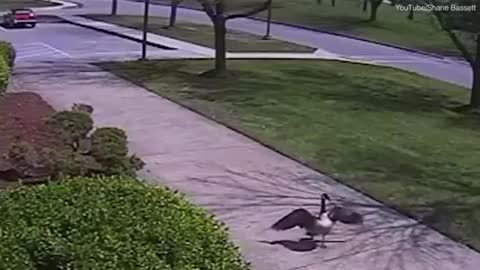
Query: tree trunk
{"type": "Point", "coordinates": [220, 45]}
{"type": "Point", "coordinates": [333, 3]}
{"type": "Point", "coordinates": [475, 94]}
{"type": "Point", "coordinates": [365, 5]}
{"type": "Point", "coordinates": [374, 5]}
{"type": "Point", "coordinates": [173, 13]}
{"type": "Point", "coordinates": [269, 22]}
{"type": "Point", "coordinates": [410, 14]}
{"type": "Point", "coordinates": [114, 7]}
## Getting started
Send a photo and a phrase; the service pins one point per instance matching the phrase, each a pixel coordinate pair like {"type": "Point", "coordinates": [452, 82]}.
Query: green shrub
{"type": "Point", "coordinates": [104, 152]}
{"type": "Point", "coordinates": [108, 142]}
{"type": "Point", "coordinates": [7, 51]}
{"type": "Point", "coordinates": [109, 223]}
{"type": "Point", "coordinates": [110, 149]}
{"type": "Point", "coordinates": [4, 75]}
{"type": "Point", "coordinates": [71, 163]}
{"type": "Point", "coordinates": [29, 161]}
{"type": "Point", "coordinates": [71, 126]}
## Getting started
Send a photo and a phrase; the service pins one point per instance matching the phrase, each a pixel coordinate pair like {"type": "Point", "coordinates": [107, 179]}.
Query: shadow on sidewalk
{"type": "Point", "coordinates": [389, 239]}
{"type": "Point", "coordinates": [301, 245]}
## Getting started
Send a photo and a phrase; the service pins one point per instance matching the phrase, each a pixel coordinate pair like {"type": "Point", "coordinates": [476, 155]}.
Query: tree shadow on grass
{"type": "Point", "coordinates": [463, 117]}
{"type": "Point", "coordinates": [351, 92]}
{"type": "Point", "coordinates": [373, 93]}
{"type": "Point", "coordinates": [354, 92]}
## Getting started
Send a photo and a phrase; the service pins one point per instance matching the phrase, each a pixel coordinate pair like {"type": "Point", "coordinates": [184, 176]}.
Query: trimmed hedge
{"type": "Point", "coordinates": [7, 51]}
{"type": "Point", "coordinates": [7, 60]}
{"type": "Point", "coordinates": [4, 75]}
{"type": "Point", "coordinates": [109, 223]}
{"type": "Point", "coordinates": [71, 126]}
{"type": "Point", "coordinates": [80, 152]}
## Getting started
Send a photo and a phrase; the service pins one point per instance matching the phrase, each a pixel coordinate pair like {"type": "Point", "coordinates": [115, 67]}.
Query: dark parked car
{"type": "Point", "coordinates": [20, 17]}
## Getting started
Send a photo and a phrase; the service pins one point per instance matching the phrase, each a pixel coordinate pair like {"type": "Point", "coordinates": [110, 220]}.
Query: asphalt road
{"type": "Point", "coordinates": [440, 68]}
{"type": "Point", "coordinates": [55, 41]}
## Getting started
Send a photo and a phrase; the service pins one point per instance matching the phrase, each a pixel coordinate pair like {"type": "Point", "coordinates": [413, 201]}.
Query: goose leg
{"type": "Point", "coordinates": [322, 245]}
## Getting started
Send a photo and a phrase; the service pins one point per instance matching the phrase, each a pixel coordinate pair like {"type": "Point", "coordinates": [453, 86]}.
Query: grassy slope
{"type": "Point", "coordinates": [387, 132]}
{"type": "Point", "coordinates": [204, 35]}
{"type": "Point", "coordinates": [11, 4]}
{"type": "Point", "coordinates": [347, 17]}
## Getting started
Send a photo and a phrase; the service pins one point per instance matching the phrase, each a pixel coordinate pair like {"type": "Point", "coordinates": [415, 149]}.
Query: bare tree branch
{"type": "Point", "coordinates": [208, 9]}
{"type": "Point", "coordinates": [456, 41]}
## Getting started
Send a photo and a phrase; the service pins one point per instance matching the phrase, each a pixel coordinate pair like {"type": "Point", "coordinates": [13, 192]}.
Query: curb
{"type": "Point", "coordinates": [293, 157]}
{"type": "Point", "coordinates": [319, 30]}
{"type": "Point", "coordinates": [160, 46]}
{"type": "Point", "coordinates": [113, 33]}
{"type": "Point", "coordinates": [61, 5]}
{"type": "Point", "coordinates": [72, 4]}
{"type": "Point", "coordinates": [386, 44]}
{"type": "Point", "coordinates": [66, 4]}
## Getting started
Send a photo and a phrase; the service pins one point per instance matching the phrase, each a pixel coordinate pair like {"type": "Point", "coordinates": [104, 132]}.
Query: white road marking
{"type": "Point", "coordinates": [55, 49]}
{"type": "Point", "coordinates": [108, 53]}
{"type": "Point", "coordinates": [38, 50]}
{"type": "Point", "coordinates": [37, 55]}
{"type": "Point", "coordinates": [32, 44]}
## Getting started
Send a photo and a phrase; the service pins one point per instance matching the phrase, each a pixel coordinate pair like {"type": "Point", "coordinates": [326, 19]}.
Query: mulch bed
{"type": "Point", "coordinates": [22, 118]}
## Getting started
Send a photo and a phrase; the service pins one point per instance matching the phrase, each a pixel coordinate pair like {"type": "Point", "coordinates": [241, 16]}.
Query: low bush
{"type": "Point", "coordinates": [109, 148]}
{"type": "Point", "coordinates": [4, 75]}
{"type": "Point", "coordinates": [71, 126]}
{"type": "Point", "coordinates": [83, 153]}
{"type": "Point", "coordinates": [109, 223]}
{"type": "Point", "coordinates": [7, 51]}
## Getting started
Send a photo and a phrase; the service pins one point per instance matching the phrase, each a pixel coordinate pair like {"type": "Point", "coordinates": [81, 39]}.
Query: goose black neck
{"type": "Point", "coordinates": [323, 208]}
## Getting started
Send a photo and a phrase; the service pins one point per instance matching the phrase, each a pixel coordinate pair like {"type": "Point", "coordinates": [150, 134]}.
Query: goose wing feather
{"type": "Point", "coordinates": [345, 215]}
{"type": "Point", "coordinates": [298, 217]}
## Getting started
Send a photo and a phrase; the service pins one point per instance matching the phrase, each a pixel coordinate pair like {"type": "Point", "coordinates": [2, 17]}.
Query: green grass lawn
{"type": "Point", "coordinates": [11, 4]}
{"type": "Point", "coordinates": [387, 132]}
{"type": "Point", "coordinates": [347, 17]}
{"type": "Point", "coordinates": [204, 35]}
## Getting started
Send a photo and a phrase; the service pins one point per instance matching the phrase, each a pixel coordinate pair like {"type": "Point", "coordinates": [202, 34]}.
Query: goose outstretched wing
{"type": "Point", "coordinates": [345, 215]}
{"type": "Point", "coordinates": [298, 217]}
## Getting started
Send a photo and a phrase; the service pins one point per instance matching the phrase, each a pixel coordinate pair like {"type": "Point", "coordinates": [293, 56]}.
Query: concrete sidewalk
{"type": "Point", "coordinates": [245, 184]}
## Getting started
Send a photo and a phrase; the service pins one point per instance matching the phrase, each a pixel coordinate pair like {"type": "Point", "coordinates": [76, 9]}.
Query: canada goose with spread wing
{"type": "Point", "coordinates": [345, 215]}
{"type": "Point", "coordinates": [320, 224]}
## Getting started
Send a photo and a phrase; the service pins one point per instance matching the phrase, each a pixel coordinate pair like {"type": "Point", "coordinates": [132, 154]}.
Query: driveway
{"type": "Point", "coordinates": [54, 40]}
